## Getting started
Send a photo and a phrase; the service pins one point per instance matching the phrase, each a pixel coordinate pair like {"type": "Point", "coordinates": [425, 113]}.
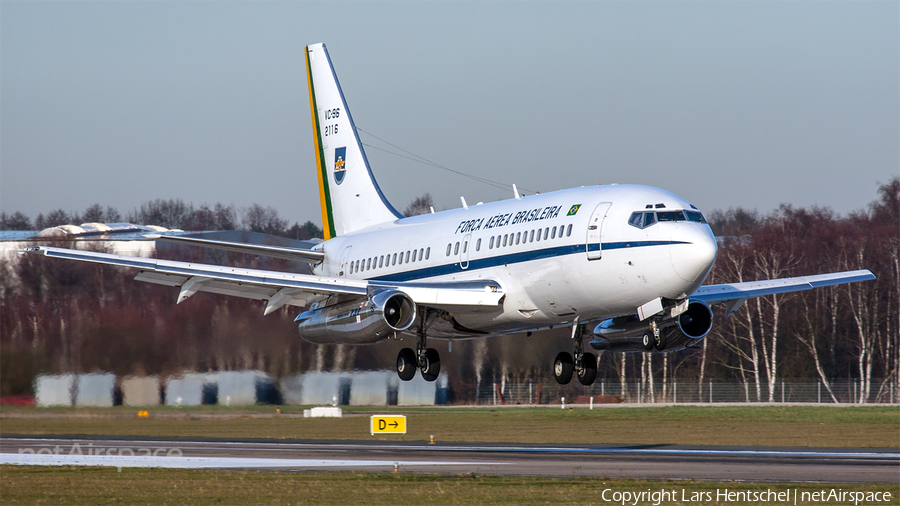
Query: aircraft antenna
{"type": "Point", "coordinates": [416, 158]}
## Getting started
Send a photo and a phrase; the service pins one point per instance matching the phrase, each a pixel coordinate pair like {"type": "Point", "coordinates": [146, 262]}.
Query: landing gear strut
{"type": "Point", "coordinates": [654, 338]}
{"type": "Point", "coordinates": [584, 365]}
{"type": "Point", "coordinates": [427, 360]}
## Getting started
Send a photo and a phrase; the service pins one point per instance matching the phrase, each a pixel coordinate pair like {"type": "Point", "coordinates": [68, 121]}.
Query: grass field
{"type": "Point", "coordinates": [867, 426]}
{"type": "Point", "coordinates": [94, 485]}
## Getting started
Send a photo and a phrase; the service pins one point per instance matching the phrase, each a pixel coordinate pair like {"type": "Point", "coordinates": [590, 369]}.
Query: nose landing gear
{"type": "Point", "coordinates": [584, 365]}
{"type": "Point", "coordinates": [427, 360]}
{"type": "Point", "coordinates": [654, 338]}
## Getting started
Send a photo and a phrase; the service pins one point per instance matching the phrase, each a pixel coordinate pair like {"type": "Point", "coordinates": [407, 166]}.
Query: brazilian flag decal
{"type": "Point", "coordinates": [573, 210]}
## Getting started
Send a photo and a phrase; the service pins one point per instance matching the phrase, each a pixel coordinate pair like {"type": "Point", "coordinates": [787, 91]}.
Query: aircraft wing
{"type": "Point", "coordinates": [735, 294]}
{"type": "Point", "coordinates": [301, 255]}
{"type": "Point", "coordinates": [282, 288]}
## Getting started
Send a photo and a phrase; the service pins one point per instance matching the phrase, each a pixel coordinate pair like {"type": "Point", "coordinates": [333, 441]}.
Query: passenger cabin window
{"type": "Point", "coordinates": [427, 252]}
{"type": "Point", "coordinates": [478, 245]}
{"type": "Point", "coordinates": [456, 249]}
{"type": "Point", "coordinates": [394, 259]}
{"type": "Point", "coordinates": [491, 244]}
{"type": "Point", "coordinates": [569, 230]}
{"type": "Point", "coordinates": [553, 234]}
{"type": "Point", "coordinates": [448, 249]}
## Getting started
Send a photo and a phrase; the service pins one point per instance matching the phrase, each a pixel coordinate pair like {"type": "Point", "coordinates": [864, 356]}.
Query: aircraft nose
{"type": "Point", "coordinates": [693, 251]}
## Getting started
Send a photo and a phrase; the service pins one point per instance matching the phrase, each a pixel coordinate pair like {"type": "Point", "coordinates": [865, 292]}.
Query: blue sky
{"type": "Point", "coordinates": [746, 104]}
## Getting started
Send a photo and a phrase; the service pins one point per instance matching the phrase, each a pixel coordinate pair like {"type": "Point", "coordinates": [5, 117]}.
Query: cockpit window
{"type": "Point", "coordinates": [670, 216]}
{"type": "Point", "coordinates": [636, 220]}
{"type": "Point", "coordinates": [695, 216]}
{"type": "Point", "coordinates": [647, 218]}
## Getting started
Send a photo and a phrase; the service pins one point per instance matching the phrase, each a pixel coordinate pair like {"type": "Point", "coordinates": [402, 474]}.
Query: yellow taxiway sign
{"type": "Point", "coordinates": [388, 424]}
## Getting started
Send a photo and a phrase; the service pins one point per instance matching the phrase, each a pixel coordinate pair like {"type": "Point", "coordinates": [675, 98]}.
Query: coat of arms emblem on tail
{"type": "Point", "coordinates": [339, 161]}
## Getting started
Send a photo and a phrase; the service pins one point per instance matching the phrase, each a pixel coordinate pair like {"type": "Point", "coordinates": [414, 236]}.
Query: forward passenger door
{"type": "Point", "coordinates": [594, 246]}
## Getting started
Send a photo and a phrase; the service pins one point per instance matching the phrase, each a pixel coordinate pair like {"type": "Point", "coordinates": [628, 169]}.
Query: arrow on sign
{"type": "Point", "coordinates": [391, 424]}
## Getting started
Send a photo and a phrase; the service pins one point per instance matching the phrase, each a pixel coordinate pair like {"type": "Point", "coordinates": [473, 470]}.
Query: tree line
{"type": "Point", "coordinates": [175, 214]}
{"type": "Point", "coordinates": [58, 316]}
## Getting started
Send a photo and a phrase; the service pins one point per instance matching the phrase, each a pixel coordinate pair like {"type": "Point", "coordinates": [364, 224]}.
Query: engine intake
{"type": "Point", "coordinates": [696, 322]}
{"type": "Point", "coordinates": [374, 319]}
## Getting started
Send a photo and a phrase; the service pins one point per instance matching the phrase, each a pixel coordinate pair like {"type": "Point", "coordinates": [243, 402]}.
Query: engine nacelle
{"type": "Point", "coordinates": [625, 333]}
{"type": "Point", "coordinates": [696, 322]}
{"type": "Point", "coordinates": [372, 320]}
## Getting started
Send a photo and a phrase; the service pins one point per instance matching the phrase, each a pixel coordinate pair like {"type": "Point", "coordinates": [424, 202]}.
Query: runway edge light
{"type": "Point", "coordinates": [388, 424]}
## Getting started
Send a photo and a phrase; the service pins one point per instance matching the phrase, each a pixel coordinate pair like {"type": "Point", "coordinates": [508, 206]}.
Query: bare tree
{"type": "Point", "coordinates": [257, 218]}
{"type": "Point", "coordinates": [15, 221]}
{"type": "Point", "coordinates": [172, 213]}
{"type": "Point", "coordinates": [419, 205]}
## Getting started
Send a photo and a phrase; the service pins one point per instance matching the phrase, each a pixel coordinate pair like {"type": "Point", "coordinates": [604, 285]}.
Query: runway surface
{"type": "Point", "coordinates": [778, 464]}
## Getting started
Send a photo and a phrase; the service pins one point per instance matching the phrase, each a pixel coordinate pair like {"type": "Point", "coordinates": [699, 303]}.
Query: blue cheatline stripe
{"type": "Point", "coordinates": [512, 258]}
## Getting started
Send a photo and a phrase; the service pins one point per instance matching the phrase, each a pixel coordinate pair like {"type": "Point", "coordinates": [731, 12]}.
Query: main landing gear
{"type": "Point", "coordinates": [425, 359]}
{"type": "Point", "coordinates": [584, 365]}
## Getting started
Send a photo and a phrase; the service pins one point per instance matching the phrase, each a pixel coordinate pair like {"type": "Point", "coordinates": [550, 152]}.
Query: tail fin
{"type": "Point", "coordinates": [350, 197]}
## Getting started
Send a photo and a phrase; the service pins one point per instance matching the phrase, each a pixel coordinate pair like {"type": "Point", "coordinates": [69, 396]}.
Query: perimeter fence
{"type": "Point", "coordinates": [677, 392]}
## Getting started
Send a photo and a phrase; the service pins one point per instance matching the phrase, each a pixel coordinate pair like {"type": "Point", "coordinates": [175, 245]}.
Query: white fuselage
{"type": "Point", "coordinates": [554, 261]}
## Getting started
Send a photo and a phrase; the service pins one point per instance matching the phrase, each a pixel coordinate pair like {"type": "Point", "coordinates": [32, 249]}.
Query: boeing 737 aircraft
{"type": "Point", "coordinates": [623, 265]}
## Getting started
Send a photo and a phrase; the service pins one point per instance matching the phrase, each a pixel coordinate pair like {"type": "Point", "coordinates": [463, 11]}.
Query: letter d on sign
{"type": "Point", "coordinates": [388, 424]}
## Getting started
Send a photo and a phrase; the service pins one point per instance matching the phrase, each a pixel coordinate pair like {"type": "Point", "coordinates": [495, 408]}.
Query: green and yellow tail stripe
{"type": "Point", "coordinates": [324, 194]}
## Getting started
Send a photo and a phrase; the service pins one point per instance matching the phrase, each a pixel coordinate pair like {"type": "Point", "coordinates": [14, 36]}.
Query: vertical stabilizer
{"type": "Point", "coordinates": [350, 197]}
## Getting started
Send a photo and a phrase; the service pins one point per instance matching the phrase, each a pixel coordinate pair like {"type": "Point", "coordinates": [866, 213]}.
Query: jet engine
{"type": "Point", "coordinates": [359, 322]}
{"type": "Point", "coordinates": [626, 333]}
